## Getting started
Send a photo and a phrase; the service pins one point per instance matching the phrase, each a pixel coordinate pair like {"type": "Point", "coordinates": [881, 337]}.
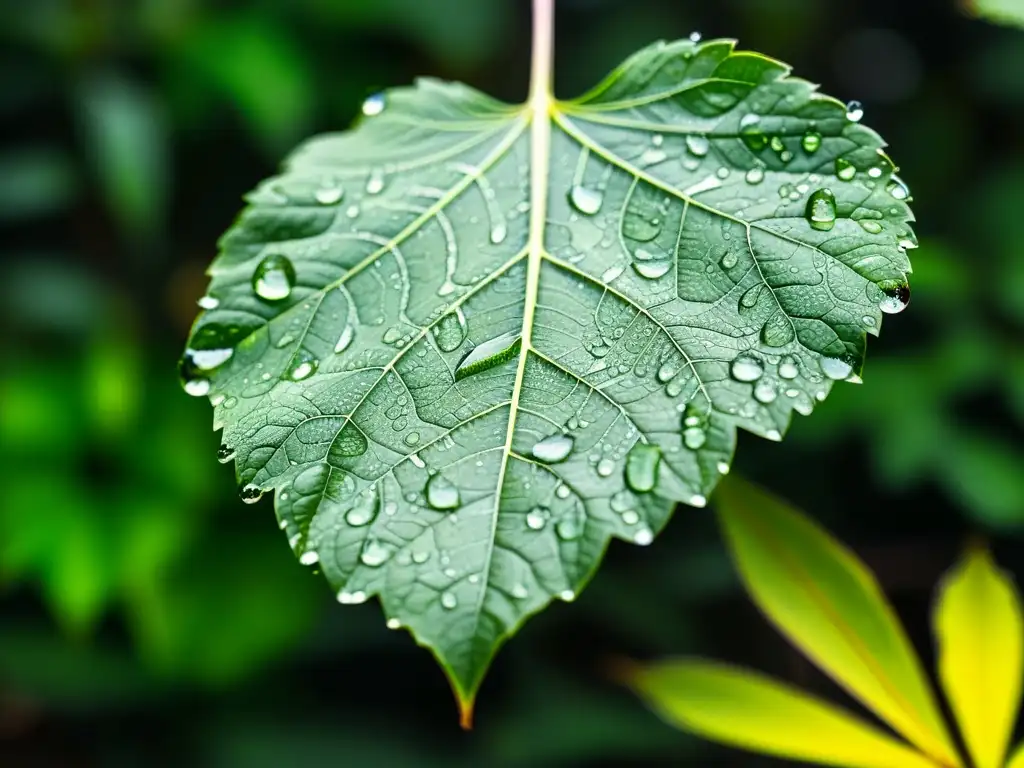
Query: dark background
{"type": "Point", "coordinates": [147, 617]}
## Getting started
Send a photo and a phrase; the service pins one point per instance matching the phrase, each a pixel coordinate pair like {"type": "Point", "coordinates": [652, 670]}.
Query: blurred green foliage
{"type": "Point", "coordinates": [147, 617]}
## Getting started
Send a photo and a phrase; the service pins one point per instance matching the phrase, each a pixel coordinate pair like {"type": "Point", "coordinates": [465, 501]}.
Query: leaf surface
{"type": "Point", "coordinates": [468, 343]}
{"type": "Point", "coordinates": [745, 709]}
{"type": "Point", "coordinates": [980, 633]}
{"type": "Point", "coordinates": [830, 606]}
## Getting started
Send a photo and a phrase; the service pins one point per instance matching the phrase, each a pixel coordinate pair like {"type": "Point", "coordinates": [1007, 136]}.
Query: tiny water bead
{"type": "Point", "coordinates": [274, 278]}
{"type": "Point", "coordinates": [363, 511]}
{"type": "Point", "coordinates": [225, 453]}
{"type": "Point", "coordinates": [896, 296]}
{"type": "Point", "coordinates": [449, 601]}
{"type": "Point", "coordinates": [351, 598]}
{"type": "Point", "coordinates": [208, 302]}
{"type": "Point", "coordinates": [745, 368]}
{"type": "Point", "coordinates": [755, 175]}
{"type": "Point", "coordinates": [811, 142]}
{"type": "Point", "coordinates": [442, 493]}
{"type": "Point", "coordinates": [373, 105]}
{"type": "Point", "coordinates": [821, 210]}
{"type": "Point", "coordinates": [250, 493]}
{"type": "Point", "coordinates": [694, 438]}
{"type": "Point", "coordinates": [553, 449]}
{"type": "Point", "coordinates": [309, 558]}
{"type": "Point", "coordinates": [586, 200]}
{"type": "Point", "coordinates": [393, 624]}
{"type": "Point", "coordinates": [788, 368]}
{"type": "Point", "coordinates": [854, 111]}
{"type": "Point", "coordinates": [695, 36]}
{"type": "Point", "coordinates": [642, 464]}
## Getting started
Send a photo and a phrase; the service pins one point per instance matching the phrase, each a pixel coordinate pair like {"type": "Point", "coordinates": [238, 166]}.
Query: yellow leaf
{"type": "Point", "coordinates": [1017, 760]}
{"type": "Point", "coordinates": [980, 634]}
{"type": "Point", "coordinates": [829, 605]}
{"type": "Point", "coordinates": [753, 712]}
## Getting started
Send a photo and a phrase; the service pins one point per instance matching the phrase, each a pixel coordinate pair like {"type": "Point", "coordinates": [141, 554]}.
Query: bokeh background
{"type": "Point", "coordinates": [147, 617]}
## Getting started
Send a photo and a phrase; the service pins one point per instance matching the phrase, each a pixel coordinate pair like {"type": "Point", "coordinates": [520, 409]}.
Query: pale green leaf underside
{"type": "Point", "coordinates": [682, 293]}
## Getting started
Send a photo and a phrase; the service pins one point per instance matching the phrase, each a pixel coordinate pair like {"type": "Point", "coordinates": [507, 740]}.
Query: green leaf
{"type": "Point", "coordinates": [468, 343]}
{"type": "Point", "coordinates": [979, 627]}
{"type": "Point", "coordinates": [1010, 12]}
{"type": "Point", "coordinates": [830, 606]}
{"type": "Point", "coordinates": [747, 710]}
{"type": "Point", "coordinates": [1017, 758]}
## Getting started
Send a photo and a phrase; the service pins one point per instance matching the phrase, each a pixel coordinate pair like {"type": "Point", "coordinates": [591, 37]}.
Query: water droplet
{"type": "Point", "coordinates": [697, 500]}
{"type": "Point", "coordinates": [697, 144]}
{"type": "Point", "coordinates": [303, 370]}
{"type": "Point", "coordinates": [499, 231]}
{"type": "Point", "coordinates": [197, 387]}
{"type": "Point", "coordinates": [652, 270]}
{"type": "Point", "coordinates": [586, 200]}
{"type": "Point", "coordinates": [553, 449]}
{"type": "Point", "coordinates": [562, 492]}
{"type": "Point", "coordinates": [750, 297]}
{"type": "Point", "coordinates": [722, 467]}
{"type": "Point", "coordinates": [375, 553]}
{"type": "Point", "coordinates": [225, 453]}
{"type": "Point", "coordinates": [374, 105]}
{"type": "Point", "coordinates": [345, 339]}
{"type": "Point", "coordinates": [364, 510]}
{"type": "Point", "coordinates": [821, 210]}
{"type": "Point", "coordinates": [605, 467]}
{"type": "Point", "coordinates": [442, 493]}
{"type": "Point", "coordinates": [777, 331]}
{"type": "Point", "coordinates": [652, 157]}
{"type": "Point", "coordinates": [208, 302]}
{"type": "Point", "coordinates": [870, 226]}
{"type": "Point", "coordinates": [765, 392]}
{"type": "Point", "coordinates": [898, 189]}
{"type": "Point", "coordinates": [755, 175]}
{"type": "Point", "coordinates": [875, 173]}
{"type": "Point", "coordinates": [250, 493]}
{"type": "Point", "coordinates": [611, 274]}
{"type": "Point", "coordinates": [788, 368]}
{"type": "Point", "coordinates": [537, 518]}
{"type": "Point", "coordinates": [420, 556]}
{"type": "Point", "coordinates": [351, 598]}
{"type": "Point", "coordinates": [668, 371]}
{"type": "Point", "coordinates": [570, 527]}
{"type": "Point", "coordinates": [274, 278]}
{"type": "Point", "coordinates": [375, 183]}
{"type": "Point", "coordinates": [854, 111]}
{"type": "Point", "coordinates": [643, 536]}
{"type": "Point", "coordinates": [329, 194]}
{"type": "Point", "coordinates": [729, 260]}
{"type": "Point", "coordinates": [450, 331]}
{"type": "Point", "coordinates": [695, 36]}
{"type": "Point", "coordinates": [630, 517]}
{"type": "Point", "coordinates": [567, 595]}
{"type": "Point", "coordinates": [412, 438]}
{"type": "Point", "coordinates": [208, 359]}
{"type": "Point", "coordinates": [449, 601]}
{"type": "Point", "coordinates": [746, 368]}
{"type": "Point", "coordinates": [836, 368]}
{"type": "Point", "coordinates": [896, 296]}
{"type": "Point", "coordinates": [394, 624]}
{"type": "Point", "coordinates": [694, 438]}
{"type": "Point", "coordinates": [642, 464]}
{"type": "Point", "coordinates": [845, 170]}
{"type": "Point", "coordinates": [309, 558]}
{"type": "Point", "coordinates": [519, 592]}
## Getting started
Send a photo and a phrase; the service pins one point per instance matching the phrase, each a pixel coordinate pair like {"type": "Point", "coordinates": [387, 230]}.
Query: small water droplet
{"type": "Point", "coordinates": [394, 624]}
{"type": "Point", "coordinates": [722, 467]}
{"type": "Point", "coordinates": [694, 438]}
{"type": "Point", "coordinates": [697, 144]}
{"type": "Point", "coordinates": [329, 194]}
{"type": "Point", "coordinates": [746, 368]}
{"type": "Point", "coordinates": [697, 500]}
{"type": "Point", "coordinates": [345, 339]}
{"type": "Point", "coordinates": [898, 189]}
{"type": "Point", "coordinates": [309, 558]}
{"type": "Point", "coordinates": [363, 511]}
{"type": "Point", "coordinates": [562, 492]}
{"type": "Point", "coordinates": [729, 260]}
{"type": "Point", "coordinates": [274, 278]}
{"type": "Point", "coordinates": [642, 464]}
{"type": "Point", "coordinates": [605, 467]}
{"type": "Point", "coordinates": [821, 210]}
{"type": "Point", "coordinates": [499, 231]}
{"type": "Point", "coordinates": [250, 493]}
{"type": "Point", "coordinates": [777, 331]}
{"type": "Point", "coordinates": [208, 302]}
{"type": "Point", "coordinates": [375, 182]}
{"type": "Point", "coordinates": [630, 517]}
{"type": "Point", "coordinates": [755, 175]}
{"type": "Point", "coordinates": [643, 536]}
{"type": "Point", "coordinates": [652, 270]}
{"type": "Point", "coordinates": [553, 449]}
{"type": "Point", "coordinates": [197, 387]}
{"type": "Point", "coordinates": [225, 453]}
{"type": "Point", "coordinates": [351, 598]}
{"type": "Point", "coordinates": [374, 105]}
{"type": "Point", "coordinates": [870, 226]}
{"type": "Point", "coordinates": [567, 595]}
{"type": "Point", "coordinates": [765, 392]}
{"type": "Point", "coordinates": [611, 274]}
{"type": "Point", "coordinates": [586, 200]}
{"type": "Point", "coordinates": [836, 368]}
{"type": "Point", "coordinates": [652, 157]}
{"type": "Point", "coordinates": [442, 493]}
{"type": "Point", "coordinates": [537, 518]}
{"type": "Point", "coordinates": [449, 601]}
{"type": "Point", "coordinates": [303, 370]}
{"type": "Point", "coordinates": [845, 170]}
{"type": "Point", "coordinates": [811, 142]}
{"type": "Point", "coordinates": [695, 36]}
{"type": "Point", "coordinates": [450, 331]}
{"type": "Point", "coordinates": [854, 111]}
{"type": "Point", "coordinates": [788, 368]}
{"type": "Point", "coordinates": [519, 591]}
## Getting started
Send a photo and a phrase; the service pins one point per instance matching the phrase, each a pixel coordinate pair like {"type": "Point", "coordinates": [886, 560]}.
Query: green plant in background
{"type": "Point", "coordinates": [828, 604]}
{"type": "Point", "coordinates": [999, 11]}
{"type": "Point", "coordinates": [466, 343]}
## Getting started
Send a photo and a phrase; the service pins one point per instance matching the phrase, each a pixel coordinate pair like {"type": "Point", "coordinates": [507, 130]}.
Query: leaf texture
{"type": "Point", "coordinates": [466, 350]}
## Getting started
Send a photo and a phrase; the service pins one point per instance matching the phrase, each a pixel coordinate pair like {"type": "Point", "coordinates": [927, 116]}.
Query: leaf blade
{"type": "Point", "coordinates": [747, 710]}
{"type": "Point", "coordinates": [826, 602]}
{"type": "Point", "coordinates": [979, 629]}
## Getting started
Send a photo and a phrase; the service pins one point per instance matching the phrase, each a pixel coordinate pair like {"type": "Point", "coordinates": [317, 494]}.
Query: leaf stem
{"type": "Point", "coordinates": [542, 53]}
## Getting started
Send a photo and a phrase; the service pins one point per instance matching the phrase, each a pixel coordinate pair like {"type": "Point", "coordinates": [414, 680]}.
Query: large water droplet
{"type": "Point", "coordinates": [442, 493]}
{"type": "Point", "coordinates": [897, 296]}
{"type": "Point", "coordinates": [586, 200]}
{"type": "Point", "coordinates": [364, 510]}
{"type": "Point", "coordinates": [537, 518]}
{"type": "Point", "coordinates": [821, 210]}
{"type": "Point", "coordinates": [375, 553]}
{"type": "Point", "coordinates": [605, 467]}
{"type": "Point", "coordinates": [836, 368]}
{"type": "Point", "coordinates": [374, 105]}
{"type": "Point", "coordinates": [750, 297]}
{"type": "Point", "coordinates": [777, 331]}
{"type": "Point", "coordinates": [729, 260]}
{"type": "Point", "coordinates": [854, 111]}
{"type": "Point", "coordinates": [697, 144]}
{"type": "Point", "coordinates": [788, 368]}
{"type": "Point", "coordinates": [225, 453]}
{"type": "Point", "coordinates": [898, 189]}
{"type": "Point", "coordinates": [746, 368]}
{"type": "Point", "coordinates": [450, 331]}
{"type": "Point", "coordinates": [274, 278]}
{"type": "Point", "coordinates": [250, 493]}
{"type": "Point", "coordinates": [845, 170]}
{"type": "Point", "coordinates": [553, 449]}
{"type": "Point", "coordinates": [208, 359]}
{"type": "Point", "coordinates": [765, 391]}
{"type": "Point", "coordinates": [642, 464]}
{"type": "Point", "coordinates": [652, 270]}
{"type": "Point", "coordinates": [811, 142]}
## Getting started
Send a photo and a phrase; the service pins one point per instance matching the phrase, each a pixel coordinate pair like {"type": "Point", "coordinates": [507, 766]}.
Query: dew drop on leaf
{"type": "Point", "coordinates": [845, 170]}
{"type": "Point", "coordinates": [746, 368]}
{"type": "Point", "coordinates": [586, 200]}
{"type": "Point", "coordinates": [310, 557]}
{"type": "Point", "coordinates": [642, 464]}
{"type": "Point", "coordinates": [250, 493]}
{"type": "Point", "coordinates": [836, 368]}
{"type": "Point", "coordinates": [274, 278]}
{"type": "Point", "coordinates": [450, 331]}
{"type": "Point", "coordinates": [777, 331]}
{"type": "Point", "coordinates": [788, 368]}
{"type": "Point", "coordinates": [208, 302]}
{"type": "Point", "coordinates": [821, 209]}
{"type": "Point", "coordinates": [811, 142]}
{"type": "Point", "coordinates": [345, 339]}
{"type": "Point", "coordinates": [442, 493]}
{"type": "Point", "coordinates": [537, 518]}
{"type": "Point", "coordinates": [374, 105]}
{"type": "Point", "coordinates": [854, 111]}
{"type": "Point", "coordinates": [896, 296]}
{"type": "Point", "coordinates": [643, 536]}
{"type": "Point", "coordinates": [449, 601]}
{"type": "Point", "coordinates": [375, 553]}
{"type": "Point", "coordinates": [697, 144]}
{"type": "Point", "coordinates": [197, 387]}
{"type": "Point", "coordinates": [351, 598]}
{"type": "Point", "coordinates": [553, 449]}
{"type": "Point", "coordinates": [364, 510]}
{"type": "Point", "coordinates": [225, 453]}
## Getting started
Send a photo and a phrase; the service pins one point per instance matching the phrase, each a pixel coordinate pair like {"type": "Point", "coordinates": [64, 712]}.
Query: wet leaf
{"type": "Point", "coordinates": [467, 343]}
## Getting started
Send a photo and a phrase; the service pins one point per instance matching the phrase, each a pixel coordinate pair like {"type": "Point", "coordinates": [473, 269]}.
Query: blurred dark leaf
{"type": "Point", "coordinates": [986, 475]}
{"type": "Point", "coordinates": [35, 181]}
{"type": "Point", "coordinates": [44, 291]}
